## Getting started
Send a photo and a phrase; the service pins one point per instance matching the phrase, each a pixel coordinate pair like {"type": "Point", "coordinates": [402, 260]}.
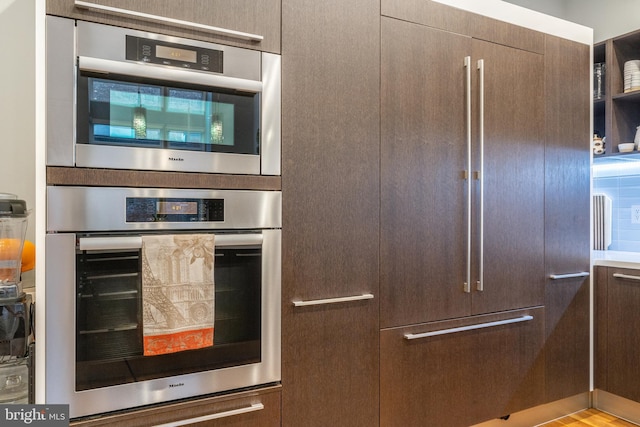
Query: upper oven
{"type": "Point", "coordinates": [126, 99]}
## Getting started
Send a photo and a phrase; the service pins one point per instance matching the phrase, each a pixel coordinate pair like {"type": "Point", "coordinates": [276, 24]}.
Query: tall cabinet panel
{"type": "Point", "coordinates": [446, 253]}
{"type": "Point", "coordinates": [330, 185]}
{"type": "Point", "coordinates": [424, 192]}
{"type": "Point", "coordinates": [567, 226]}
{"type": "Point", "coordinates": [509, 203]}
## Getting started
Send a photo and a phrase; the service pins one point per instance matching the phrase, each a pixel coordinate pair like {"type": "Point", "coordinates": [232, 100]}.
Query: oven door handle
{"type": "Point", "coordinates": [109, 243]}
{"type": "Point", "coordinates": [135, 242]}
{"type": "Point", "coordinates": [107, 66]}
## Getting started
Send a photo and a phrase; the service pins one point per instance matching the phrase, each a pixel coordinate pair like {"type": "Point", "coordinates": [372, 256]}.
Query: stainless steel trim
{"type": "Point", "coordinates": [568, 275]}
{"type": "Point", "coordinates": [61, 84]}
{"type": "Point", "coordinates": [252, 408]}
{"type": "Point", "coordinates": [175, 22]}
{"type": "Point", "coordinates": [271, 129]}
{"type": "Point", "coordinates": [624, 408]}
{"type": "Point", "coordinates": [151, 71]}
{"type": "Point", "coordinates": [480, 177]}
{"type": "Point", "coordinates": [332, 300]}
{"type": "Point", "coordinates": [525, 318]}
{"type": "Point", "coordinates": [103, 209]}
{"type": "Point", "coordinates": [626, 276]}
{"type": "Point", "coordinates": [136, 158]}
{"type": "Point", "coordinates": [467, 173]}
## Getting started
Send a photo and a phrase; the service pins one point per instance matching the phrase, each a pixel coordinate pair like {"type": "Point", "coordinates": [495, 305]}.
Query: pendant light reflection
{"type": "Point", "coordinates": [216, 128]}
{"type": "Point", "coordinates": [140, 122]}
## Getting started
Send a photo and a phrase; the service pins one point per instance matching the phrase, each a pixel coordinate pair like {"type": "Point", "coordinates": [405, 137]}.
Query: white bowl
{"type": "Point", "coordinates": [626, 147]}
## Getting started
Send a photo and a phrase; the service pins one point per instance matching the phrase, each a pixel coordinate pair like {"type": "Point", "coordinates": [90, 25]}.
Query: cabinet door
{"type": "Point", "coordinates": [512, 201]}
{"type": "Point", "coordinates": [330, 186]}
{"type": "Point", "coordinates": [567, 228]}
{"type": "Point", "coordinates": [424, 233]}
{"type": "Point", "coordinates": [256, 17]}
{"type": "Point", "coordinates": [622, 362]}
{"type": "Point", "coordinates": [461, 378]}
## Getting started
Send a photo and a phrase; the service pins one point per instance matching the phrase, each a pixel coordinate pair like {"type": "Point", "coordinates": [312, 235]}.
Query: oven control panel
{"type": "Point", "coordinates": [156, 209]}
{"type": "Point", "coordinates": [174, 55]}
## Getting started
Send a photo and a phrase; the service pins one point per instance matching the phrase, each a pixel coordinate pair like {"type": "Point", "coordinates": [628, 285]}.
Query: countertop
{"type": "Point", "coordinates": [617, 259]}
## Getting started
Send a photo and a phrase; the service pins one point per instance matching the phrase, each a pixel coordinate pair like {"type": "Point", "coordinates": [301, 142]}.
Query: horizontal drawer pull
{"type": "Point", "coordinates": [252, 408]}
{"type": "Point", "coordinates": [569, 275]}
{"type": "Point", "coordinates": [332, 300]}
{"type": "Point", "coordinates": [468, 328]}
{"type": "Point", "coordinates": [175, 22]}
{"type": "Point", "coordinates": [626, 276]}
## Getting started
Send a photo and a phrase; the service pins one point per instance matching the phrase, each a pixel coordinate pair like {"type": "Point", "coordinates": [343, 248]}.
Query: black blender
{"type": "Point", "coordinates": [15, 304]}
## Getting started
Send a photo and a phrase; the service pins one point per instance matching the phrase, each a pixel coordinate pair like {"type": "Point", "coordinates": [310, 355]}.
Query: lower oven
{"type": "Point", "coordinates": [154, 295]}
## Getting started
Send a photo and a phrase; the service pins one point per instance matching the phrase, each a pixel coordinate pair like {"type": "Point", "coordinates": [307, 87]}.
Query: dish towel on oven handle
{"type": "Point", "coordinates": [177, 292]}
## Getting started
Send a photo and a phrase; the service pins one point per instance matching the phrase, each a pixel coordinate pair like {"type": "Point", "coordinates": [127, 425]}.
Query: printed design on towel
{"type": "Point", "coordinates": [177, 292]}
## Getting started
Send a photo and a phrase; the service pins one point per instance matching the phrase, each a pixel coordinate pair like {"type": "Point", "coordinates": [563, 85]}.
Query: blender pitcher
{"type": "Point", "coordinates": [13, 228]}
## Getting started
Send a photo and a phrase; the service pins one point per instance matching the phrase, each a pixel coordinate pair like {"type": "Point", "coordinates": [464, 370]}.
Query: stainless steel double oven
{"type": "Point", "coordinates": [94, 297]}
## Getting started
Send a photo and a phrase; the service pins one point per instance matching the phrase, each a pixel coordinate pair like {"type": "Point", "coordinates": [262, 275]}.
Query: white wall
{"type": "Point", "coordinates": [17, 104]}
{"type": "Point", "coordinates": [608, 18]}
{"type": "Point", "coordinates": [528, 18]}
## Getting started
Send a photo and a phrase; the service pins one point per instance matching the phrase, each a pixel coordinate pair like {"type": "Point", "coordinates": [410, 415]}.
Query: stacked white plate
{"type": "Point", "coordinates": [632, 75]}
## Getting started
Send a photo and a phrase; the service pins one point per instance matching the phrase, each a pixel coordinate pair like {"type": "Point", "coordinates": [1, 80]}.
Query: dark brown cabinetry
{"type": "Point", "coordinates": [261, 17]}
{"type": "Point", "coordinates": [567, 226]}
{"type": "Point", "coordinates": [617, 323]}
{"type": "Point", "coordinates": [528, 133]}
{"type": "Point", "coordinates": [461, 377]}
{"type": "Point", "coordinates": [427, 272]}
{"type": "Point", "coordinates": [255, 408]}
{"type": "Point", "coordinates": [330, 185]}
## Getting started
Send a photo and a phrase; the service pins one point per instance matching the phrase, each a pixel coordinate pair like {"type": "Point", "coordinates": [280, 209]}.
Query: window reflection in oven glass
{"type": "Point", "coordinates": [156, 115]}
{"type": "Point", "coordinates": [109, 319]}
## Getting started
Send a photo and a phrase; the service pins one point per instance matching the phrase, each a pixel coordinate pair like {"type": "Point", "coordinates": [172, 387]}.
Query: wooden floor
{"type": "Point", "coordinates": [589, 417]}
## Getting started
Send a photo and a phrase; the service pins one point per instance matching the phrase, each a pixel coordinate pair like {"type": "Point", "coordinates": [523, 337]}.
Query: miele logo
{"type": "Point", "coordinates": [176, 159]}
{"type": "Point", "coordinates": [176, 385]}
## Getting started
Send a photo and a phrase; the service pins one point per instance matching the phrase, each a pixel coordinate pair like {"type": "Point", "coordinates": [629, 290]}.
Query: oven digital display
{"type": "Point", "coordinates": [173, 208]}
{"type": "Point", "coordinates": [175, 53]}
{"type": "Point", "coordinates": [161, 209]}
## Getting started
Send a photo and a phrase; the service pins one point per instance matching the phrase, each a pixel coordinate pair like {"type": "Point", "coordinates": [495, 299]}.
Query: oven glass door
{"type": "Point", "coordinates": [109, 318]}
{"type": "Point", "coordinates": [123, 111]}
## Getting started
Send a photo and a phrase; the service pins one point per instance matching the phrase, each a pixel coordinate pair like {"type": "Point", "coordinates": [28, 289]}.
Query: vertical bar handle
{"type": "Point", "coordinates": [467, 66]}
{"type": "Point", "coordinates": [480, 175]}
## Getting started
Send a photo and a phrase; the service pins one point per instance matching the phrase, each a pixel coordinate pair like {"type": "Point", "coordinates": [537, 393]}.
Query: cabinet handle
{"type": "Point", "coordinates": [252, 408]}
{"type": "Point", "coordinates": [569, 275]}
{"type": "Point", "coordinates": [332, 300]}
{"type": "Point", "coordinates": [163, 19]}
{"type": "Point", "coordinates": [525, 318]}
{"type": "Point", "coordinates": [480, 176]}
{"type": "Point", "coordinates": [626, 276]}
{"type": "Point", "coordinates": [467, 66]}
